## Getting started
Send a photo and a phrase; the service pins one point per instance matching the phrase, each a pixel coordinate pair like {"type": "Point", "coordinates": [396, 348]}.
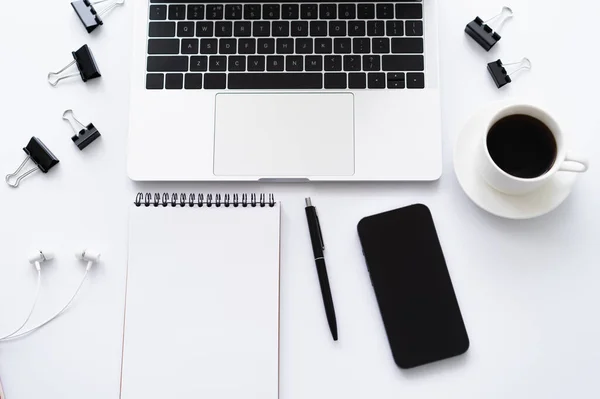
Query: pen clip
{"type": "Point", "coordinates": [320, 232]}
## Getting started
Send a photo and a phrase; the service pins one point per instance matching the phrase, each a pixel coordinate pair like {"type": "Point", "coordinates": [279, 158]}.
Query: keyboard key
{"type": "Point", "coordinates": [357, 80]}
{"type": "Point", "coordinates": [323, 46]}
{"type": "Point", "coordinates": [176, 12]}
{"type": "Point", "coordinates": [333, 63]}
{"type": "Point", "coordinates": [342, 46]}
{"type": "Point", "coordinates": [304, 46]}
{"type": "Point", "coordinates": [266, 46]}
{"type": "Point", "coordinates": [361, 45]}
{"type": "Point", "coordinates": [328, 11]}
{"type": "Point", "coordinates": [314, 63]}
{"type": "Point", "coordinates": [407, 45]}
{"type": "Point", "coordinates": [275, 63]}
{"type": "Point", "coordinates": [347, 11]}
{"type": "Point", "coordinates": [233, 11]}
{"type": "Point", "coordinates": [415, 80]}
{"type": "Point", "coordinates": [158, 13]}
{"type": "Point", "coordinates": [300, 28]}
{"type": "Point", "coordinates": [227, 46]}
{"type": "Point", "coordinates": [356, 28]}
{"type": "Point", "coordinates": [366, 11]}
{"type": "Point", "coordinates": [381, 45]}
{"type": "Point", "coordinates": [352, 63]}
{"type": "Point", "coordinates": [318, 28]}
{"type": "Point", "coordinates": [199, 63]}
{"type": "Point", "coordinates": [223, 29]}
{"type": "Point", "coordinates": [242, 29]}
{"type": "Point", "coordinates": [217, 63]}
{"type": "Point", "coordinates": [247, 46]}
{"type": "Point", "coordinates": [376, 80]}
{"type": "Point", "coordinates": [385, 11]}
{"type": "Point", "coordinates": [335, 81]}
{"type": "Point", "coordinates": [189, 46]}
{"type": "Point", "coordinates": [271, 11]}
{"type": "Point", "coordinates": [290, 11]}
{"type": "Point", "coordinates": [214, 11]}
{"type": "Point", "coordinates": [208, 46]}
{"type": "Point", "coordinates": [375, 28]}
{"type": "Point", "coordinates": [394, 28]}
{"type": "Point", "coordinates": [256, 63]}
{"type": "Point", "coordinates": [174, 81]}
{"type": "Point", "coordinates": [215, 81]}
{"type": "Point", "coordinates": [371, 62]}
{"type": "Point", "coordinates": [309, 11]}
{"type": "Point", "coordinates": [275, 81]}
{"type": "Point", "coordinates": [252, 11]}
{"type": "Point", "coordinates": [293, 63]}
{"type": "Point", "coordinates": [204, 29]}
{"type": "Point", "coordinates": [281, 28]}
{"type": "Point", "coordinates": [285, 46]}
{"type": "Point", "coordinates": [409, 11]}
{"type": "Point", "coordinates": [337, 28]}
{"type": "Point", "coordinates": [161, 29]}
{"type": "Point", "coordinates": [236, 63]}
{"type": "Point", "coordinates": [185, 29]}
{"type": "Point", "coordinates": [155, 81]}
{"type": "Point", "coordinates": [193, 81]}
{"type": "Point", "coordinates": [261, 28]}
{"type": "Point", "coordinates": [403, 63]}
{"type": "Point", "coordinates": [163, 46]}
{"type": "Point", "coordinates": [396, 80]}
{"type": "Point", "coordinates": [414, 28]}
{"type": "Point", "coordinates": [168, 63]}
{"type": "Point", "coordinates": [195, 11]}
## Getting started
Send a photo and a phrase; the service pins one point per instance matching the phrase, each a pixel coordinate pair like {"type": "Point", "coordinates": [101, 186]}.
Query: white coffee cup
{"type": "Point", "coordinates": [513, 185]}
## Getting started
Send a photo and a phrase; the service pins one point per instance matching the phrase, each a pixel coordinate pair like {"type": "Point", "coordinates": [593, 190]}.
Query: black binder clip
{"type": "Point", "coordinates": [499, 73]}
{"type": "Point", "coordinates": [482, 33]}
{"type": "Point", "coordinates": [84, 135]}
{"type": "Point", "coordinates": [40, 155]}
{"type": "Point", "coordinates": [89, 16]}
{"type": "Point", "coordinates": [84, 59]}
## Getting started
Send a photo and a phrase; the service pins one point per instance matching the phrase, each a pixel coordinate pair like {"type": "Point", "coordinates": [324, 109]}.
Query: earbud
{"type": "Point", "coordinates": [40, 256]}
{"type": "Point", "coordinates": [89, 256]}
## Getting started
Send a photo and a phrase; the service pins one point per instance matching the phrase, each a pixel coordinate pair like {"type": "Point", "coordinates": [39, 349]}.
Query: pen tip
{"type": "Point", "coordinates": [308, 202]}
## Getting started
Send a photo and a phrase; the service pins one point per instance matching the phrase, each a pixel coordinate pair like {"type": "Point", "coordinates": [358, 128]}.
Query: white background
{"type": "Point", "coordinates": [528, 290]}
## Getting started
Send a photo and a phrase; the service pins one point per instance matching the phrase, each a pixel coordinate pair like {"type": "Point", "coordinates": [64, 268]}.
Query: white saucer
{"type": "Point", "coordinates": [538, 203]}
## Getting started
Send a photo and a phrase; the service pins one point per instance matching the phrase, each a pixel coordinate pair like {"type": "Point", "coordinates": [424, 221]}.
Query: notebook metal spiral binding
{"type": "Point", "coordinates": [201, 200]}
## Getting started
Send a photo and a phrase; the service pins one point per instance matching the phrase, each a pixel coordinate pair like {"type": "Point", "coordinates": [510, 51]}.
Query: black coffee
{"type": "Point", "coordinates": [522, 146]}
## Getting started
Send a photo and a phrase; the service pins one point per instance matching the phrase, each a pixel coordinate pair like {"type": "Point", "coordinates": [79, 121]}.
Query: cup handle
{"type": "Point", "coordinates": [574, 164]}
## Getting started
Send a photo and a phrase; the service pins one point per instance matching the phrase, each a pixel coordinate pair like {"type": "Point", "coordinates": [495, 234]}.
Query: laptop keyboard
{"type": "Point", "coordinates": [285, 46]}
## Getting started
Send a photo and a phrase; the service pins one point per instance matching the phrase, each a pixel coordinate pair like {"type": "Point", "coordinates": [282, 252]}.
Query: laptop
{"type": "Point", "coordinates": [285, 91]}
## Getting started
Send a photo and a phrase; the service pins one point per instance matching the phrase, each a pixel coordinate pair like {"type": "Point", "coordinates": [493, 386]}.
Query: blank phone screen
{"type": "Point", "coordinates": [414, 291]}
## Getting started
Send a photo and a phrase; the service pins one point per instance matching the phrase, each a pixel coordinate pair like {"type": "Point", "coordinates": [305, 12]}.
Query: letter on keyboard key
{"type": "Point", "coordinates": [215, 80]}
{"type": "Point", "coordinates": [403, 63]}
{"type": "Point", "coordinates": [168, 64]}
{"type": "Point", "coordinates": [163, 46]}
{"type": "Point", "coordinates": [275, 81]}
{"type": "Point", "coordinates": [162, 29]}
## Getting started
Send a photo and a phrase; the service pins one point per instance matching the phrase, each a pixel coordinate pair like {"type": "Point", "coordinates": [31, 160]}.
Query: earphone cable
{"type": "Point", "coordinates": [63, 310]}
{"type": "Point", "coordinates": [35, 301]}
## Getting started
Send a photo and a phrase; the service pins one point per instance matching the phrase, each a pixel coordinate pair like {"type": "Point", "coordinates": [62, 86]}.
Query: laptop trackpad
{"type": "Point", "coordinates": [284, 134]}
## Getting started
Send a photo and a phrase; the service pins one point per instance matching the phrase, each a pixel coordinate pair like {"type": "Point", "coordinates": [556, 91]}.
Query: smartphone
{"type": "Point", "coordinates": [412, 284]}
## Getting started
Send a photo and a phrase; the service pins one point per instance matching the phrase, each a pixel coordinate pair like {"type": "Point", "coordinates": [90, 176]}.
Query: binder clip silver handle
{"type": "Point", "coordinates": [111, 6]}
{"type": "Point", "coordinates": [55, 77]}
{"type": "Point", "coordinates": [500, 19]}
{"type": "Point", "coordinates": [14, 179]}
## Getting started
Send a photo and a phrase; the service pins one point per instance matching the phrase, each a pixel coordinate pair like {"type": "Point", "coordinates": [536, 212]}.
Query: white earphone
{"type": "Point", "coordinates": [37, 259]}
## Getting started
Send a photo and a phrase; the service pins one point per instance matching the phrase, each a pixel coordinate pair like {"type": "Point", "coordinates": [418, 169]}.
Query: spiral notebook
{"type": "Point", "coordinates": [202, 302]}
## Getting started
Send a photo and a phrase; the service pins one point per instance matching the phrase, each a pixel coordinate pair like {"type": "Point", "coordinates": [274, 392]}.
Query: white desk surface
{"type": "Point", "coordinates": [528, 290]}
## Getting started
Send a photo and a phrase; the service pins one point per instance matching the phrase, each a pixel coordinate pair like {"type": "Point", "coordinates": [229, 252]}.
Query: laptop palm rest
{"type": "Point", "coordinates": [284, 134]}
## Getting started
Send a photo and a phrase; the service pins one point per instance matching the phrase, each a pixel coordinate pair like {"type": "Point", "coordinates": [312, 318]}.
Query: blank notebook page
{"type": "Point", "coordinates": [202, 308]}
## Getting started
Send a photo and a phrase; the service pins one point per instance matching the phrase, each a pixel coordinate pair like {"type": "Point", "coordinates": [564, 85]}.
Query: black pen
{"type": "Point", "coordinates": [316, 237]}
